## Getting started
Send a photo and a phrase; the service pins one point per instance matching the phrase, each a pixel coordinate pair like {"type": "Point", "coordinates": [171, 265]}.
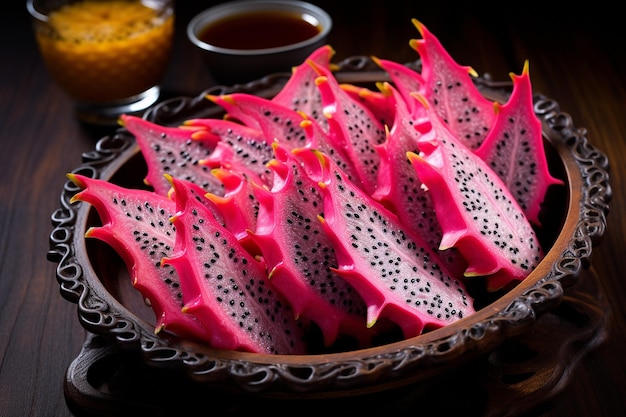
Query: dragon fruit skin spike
{"type": "Point", "coordinates": [173, 151]}
{"type": "Point", "coordinates": [300, 257]}
{"type": "Point", "coordinates": [406, 80]}
{"type": "Point", "coordinates": [476, 211]}
{"type": "Point", "coordinates": [394, 271]}
{"type": "Point", "coordinates": [135, 223]}
{"type": "Point", "coordinates": [451, 92]}
{"type": "Point", "coordinates": [238, 206]}
{"type": "Point", "coordinates": [237, 147]}
{"type": "Point", "coordinates": [514, 149]}
{"type": "Point", "coordinates": [225, 287]}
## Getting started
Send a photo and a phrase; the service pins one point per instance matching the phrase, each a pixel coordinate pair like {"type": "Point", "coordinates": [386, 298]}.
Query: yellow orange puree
{"type": "Point", "coordinates": [106, 51]}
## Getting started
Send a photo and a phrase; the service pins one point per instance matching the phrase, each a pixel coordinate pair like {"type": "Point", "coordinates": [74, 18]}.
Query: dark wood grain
{"type": "Point", "coordinates": [576, 57]}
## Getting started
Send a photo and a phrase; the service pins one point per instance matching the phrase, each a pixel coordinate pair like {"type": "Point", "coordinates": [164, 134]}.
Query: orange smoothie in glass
{"type": "Point", "coordinates": [106, 51]}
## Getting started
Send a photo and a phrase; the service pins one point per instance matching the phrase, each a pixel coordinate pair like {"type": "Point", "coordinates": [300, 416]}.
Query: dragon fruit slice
{"type": "Point", "coordinates": [354, 125]}
{"type": "Point", "coordinates": [400, 189]}
{"type": "Point", "coordinates": [300, 92]}
{"type": "Point", "coordinates": [394, 271]}
{"type": "Point", "coordinates": [450, 90]}
{"type": "Point", "coordinates": [173, 151]}
{"type": "Point", "coordinates": [476, 211]}
{"type": "Point", "coordinates": [225, 288]}
{"type": "Point", "coordinates": [514, 149]}
{"type": "Point", "coordinates": [300, 257]}
{"type": "Point", "coordinates": [135, 223]}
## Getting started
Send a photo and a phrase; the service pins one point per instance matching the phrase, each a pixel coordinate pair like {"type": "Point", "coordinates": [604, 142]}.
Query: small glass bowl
{"type": "Point", "coordinates": [229, 64]}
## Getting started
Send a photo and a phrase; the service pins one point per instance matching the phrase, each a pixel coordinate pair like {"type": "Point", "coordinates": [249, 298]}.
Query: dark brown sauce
{"type": "Point", "coordinates": [258, 30]}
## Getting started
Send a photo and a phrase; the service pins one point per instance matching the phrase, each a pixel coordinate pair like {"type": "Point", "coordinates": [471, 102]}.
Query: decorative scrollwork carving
{"type": "Point", "coordinates": [94, 311]}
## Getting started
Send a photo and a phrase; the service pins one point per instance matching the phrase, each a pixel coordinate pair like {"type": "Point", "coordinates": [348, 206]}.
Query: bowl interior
{"type": "Point", "coordinates": [560, 200]}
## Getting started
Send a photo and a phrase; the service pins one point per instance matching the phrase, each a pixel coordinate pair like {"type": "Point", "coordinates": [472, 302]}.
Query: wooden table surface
{"type": "Point", "coordinates": [576, 57]}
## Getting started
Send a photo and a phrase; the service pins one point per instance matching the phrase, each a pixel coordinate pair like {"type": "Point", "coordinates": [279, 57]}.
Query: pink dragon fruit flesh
{"type": "Point", "coordinates": [476, 212]}
{"type": "Point", "coordinates": [300, 257]}
{"type": "Point", "coordinates": [226, 288]}
{"type": "Point", "coordinates": [394, 270]}
{"type": "Point", "coordinates": [514, 149]}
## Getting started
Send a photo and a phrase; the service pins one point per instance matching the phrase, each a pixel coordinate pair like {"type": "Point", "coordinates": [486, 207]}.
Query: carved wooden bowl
{"type": "Point", "coordinates": [91, 275]}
